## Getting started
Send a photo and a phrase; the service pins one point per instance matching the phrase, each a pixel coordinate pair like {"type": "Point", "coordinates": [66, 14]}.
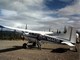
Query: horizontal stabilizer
{"type": "Point", "coordinates": [68, 43]}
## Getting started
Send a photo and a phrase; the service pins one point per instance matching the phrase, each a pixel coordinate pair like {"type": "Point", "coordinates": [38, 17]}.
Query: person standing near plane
{"type": "Point", "coordinates": [77, 38]}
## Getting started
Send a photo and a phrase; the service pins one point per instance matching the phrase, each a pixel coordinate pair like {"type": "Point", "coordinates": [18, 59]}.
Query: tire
{"type": "Point", "coordinates": [34, 44]}
{"type": "Point", "coordinates": [73, 49]}
{"type": "Point", "coordinates": [24, 45]}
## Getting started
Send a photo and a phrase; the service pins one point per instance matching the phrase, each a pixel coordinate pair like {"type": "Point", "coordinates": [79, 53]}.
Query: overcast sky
{"type": "Point", "coordinates": [40, 14]}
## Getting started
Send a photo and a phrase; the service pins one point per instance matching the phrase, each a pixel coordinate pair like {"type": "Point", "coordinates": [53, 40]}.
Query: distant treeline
{"type": "Point", "coordinates": [14, 35]}
{"type": "Point", "coordinates": [11, 35]}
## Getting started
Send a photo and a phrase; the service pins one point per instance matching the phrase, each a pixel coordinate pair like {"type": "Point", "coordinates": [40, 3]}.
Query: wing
{"type": "Point", "coordinates": [68, 43]}
{"type": "Point", "coordinates": [28, 31]}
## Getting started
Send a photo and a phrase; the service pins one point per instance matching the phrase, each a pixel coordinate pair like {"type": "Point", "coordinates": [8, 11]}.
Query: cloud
{"type": "Point", "coordinates": [20, 5]}
{"type": "Point", "coordinates": [24, 11]}
{"type": "Point", "coordinates": [11, 23]}
{"type": "Point", "coordinates": [56, 23]}
{"type": "Point", "coordinates": [37, 15]}
{"type": "Point", "coordinates": [72, 9]}
{"type": "Point", "coordinates": [8, 13]}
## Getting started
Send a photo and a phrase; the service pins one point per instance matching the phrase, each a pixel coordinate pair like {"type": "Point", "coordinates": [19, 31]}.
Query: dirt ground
{"type": "Point", "coordinates": [12, 50]}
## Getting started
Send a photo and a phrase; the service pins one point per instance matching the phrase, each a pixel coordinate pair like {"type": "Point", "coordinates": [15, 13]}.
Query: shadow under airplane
{"type": "Point", "coordinates": [60, 50]}
{"type": "Point", "coordinates": [11, 49]}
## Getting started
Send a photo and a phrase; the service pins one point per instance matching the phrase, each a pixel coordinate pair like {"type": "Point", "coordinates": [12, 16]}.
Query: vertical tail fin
{"type": "Point", "coordinates": [71, 34]}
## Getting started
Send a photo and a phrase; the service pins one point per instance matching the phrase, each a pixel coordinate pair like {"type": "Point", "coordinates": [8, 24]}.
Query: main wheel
{"type": "Point", "coordinates": [34, 44]}
{"type": "Point", "coordinates": [24, 45]}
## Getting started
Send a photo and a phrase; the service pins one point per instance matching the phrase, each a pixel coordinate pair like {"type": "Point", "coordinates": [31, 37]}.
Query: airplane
{"type": "Point", "coordinates": [35, 37]}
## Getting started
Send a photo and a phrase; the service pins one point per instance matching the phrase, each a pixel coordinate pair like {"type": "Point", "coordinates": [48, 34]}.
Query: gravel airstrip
{"type": "Point", "coordinates": [12, 50]}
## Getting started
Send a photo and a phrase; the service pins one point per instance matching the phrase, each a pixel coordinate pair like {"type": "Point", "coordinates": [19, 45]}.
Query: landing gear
{"type": "Point", "coordinates": [38, 44]}
{"type": "Point", "coordinates": [29, 45]}
{"type": "Point", "coordinates": [24, 45]}
{"type": "Point", "coordinates": [32, 45]}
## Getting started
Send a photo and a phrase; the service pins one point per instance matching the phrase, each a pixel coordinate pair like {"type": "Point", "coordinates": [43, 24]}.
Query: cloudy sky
{"type": "Point", "coordinates": [40, 14]}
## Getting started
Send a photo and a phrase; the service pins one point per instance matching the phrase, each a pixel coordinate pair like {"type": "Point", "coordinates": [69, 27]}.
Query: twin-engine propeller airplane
{"type": "Point", "coordinates": [35, 37]}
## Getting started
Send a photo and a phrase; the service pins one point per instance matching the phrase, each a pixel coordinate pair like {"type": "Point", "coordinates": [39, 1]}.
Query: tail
{"type": "Point", "coordinates": [71, 34]}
